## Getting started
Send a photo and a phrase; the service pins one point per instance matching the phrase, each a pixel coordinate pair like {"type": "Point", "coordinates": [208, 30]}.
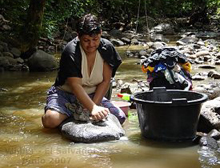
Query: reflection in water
{"type": "Point", "coordinates": [209, 157]}
{"type": "Point", "coordinates": [25, 143]}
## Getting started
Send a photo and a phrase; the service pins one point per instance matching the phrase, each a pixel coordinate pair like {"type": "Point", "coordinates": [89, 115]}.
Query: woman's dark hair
{"type": "Point", "coordinates": [88, 25]}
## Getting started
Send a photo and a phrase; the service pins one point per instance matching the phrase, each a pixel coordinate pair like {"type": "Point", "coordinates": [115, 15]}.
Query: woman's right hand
{"type": "Point", "coordinates": [99, 112]}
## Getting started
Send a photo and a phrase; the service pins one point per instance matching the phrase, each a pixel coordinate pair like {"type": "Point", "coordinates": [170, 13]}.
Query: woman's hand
{"type": "Point", "coordinates": [99, 112]}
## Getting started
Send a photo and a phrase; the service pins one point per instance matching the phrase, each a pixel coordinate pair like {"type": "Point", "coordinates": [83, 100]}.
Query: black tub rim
{"type": "Point", "coordinates": [203, 98]}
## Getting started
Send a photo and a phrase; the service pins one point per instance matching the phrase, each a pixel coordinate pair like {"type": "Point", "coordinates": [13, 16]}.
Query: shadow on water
{"type": "Point", "coordinates": [139, 139]}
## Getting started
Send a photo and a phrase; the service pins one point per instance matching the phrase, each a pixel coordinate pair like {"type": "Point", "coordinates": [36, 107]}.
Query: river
{"type": "Point", "coordinates": [24, 143]}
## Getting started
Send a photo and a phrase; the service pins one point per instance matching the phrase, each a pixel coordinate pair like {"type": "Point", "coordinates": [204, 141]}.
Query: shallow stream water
{"type": "Point", "coordinates": [24, 143]}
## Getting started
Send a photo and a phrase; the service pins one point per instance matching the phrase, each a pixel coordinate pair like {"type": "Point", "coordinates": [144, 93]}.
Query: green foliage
{"type": "Point", "coordinates": [57, 13]}
{"type": "Point", "coordinates": [15, 12]}
{"type": "Point", "coordinates": [215, 6]}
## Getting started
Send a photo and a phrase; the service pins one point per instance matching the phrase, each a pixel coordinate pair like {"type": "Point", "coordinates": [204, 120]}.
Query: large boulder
{"type": "Point", "coordinates": [89, 132]}
{"type": "Point", "coordinates": [41, 61]}
{"type": "Point", "coordinates": [210, 116]}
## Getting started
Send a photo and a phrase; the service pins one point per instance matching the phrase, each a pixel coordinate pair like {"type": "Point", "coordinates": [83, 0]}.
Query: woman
{"type": "Point", "coordinates": [87, 64]}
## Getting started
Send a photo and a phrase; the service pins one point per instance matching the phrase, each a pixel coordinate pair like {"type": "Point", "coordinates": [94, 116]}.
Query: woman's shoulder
{"type": "Point", "coordinates": [71, 47]}
{"type": "Point", "coordinates": [106, 43]}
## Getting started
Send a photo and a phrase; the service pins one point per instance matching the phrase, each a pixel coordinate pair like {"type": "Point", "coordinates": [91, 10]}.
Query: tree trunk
{"type": "Point", "coordinates": [32, 30]}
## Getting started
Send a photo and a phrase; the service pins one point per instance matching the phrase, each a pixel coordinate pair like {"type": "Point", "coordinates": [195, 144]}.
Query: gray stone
{"type": "Point", "coordinates": [209, 118]}
{"type": "Point", "coordinates": [158, 44]}
{"type": "Point", "coordinates": [20, 60]}
{"type": "Point", "coordinates": [4, 62]}
{"type": "Point", "coordinates": [89, 132]}
{"type": "Point", "coordinates": [126, 40]}
{"type": "Point", "coordinates": [134, 41]}
{"type": "Point", "coordinates": [207, 66]}
{"type": "Point", "coordinates": [16, 52]}
{"type": "Point", "coordinates": [12, 61]}
{"type": "Point", "coordinates": [8, 54]}
{"type": "Point", "coordinates": [209, 142]}
{"type": "Point", "coordinates": [41, 61]}
{"type": "Point", "coordinates": [214, 134]}
{"type": "Point", "coordinates": [214, 74]}
{"type": "Point", "coordinates": [5, 46]}
{"type": "Point", "coordinates": [117, 42]}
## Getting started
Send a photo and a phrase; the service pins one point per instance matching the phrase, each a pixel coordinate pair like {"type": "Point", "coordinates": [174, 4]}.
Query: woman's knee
{"type": "Point", "coordinates": [52, 119]}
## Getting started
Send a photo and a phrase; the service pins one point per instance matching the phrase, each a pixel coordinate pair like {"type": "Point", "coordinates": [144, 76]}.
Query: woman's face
{"type": "Point", "coordinates": [90, 43]}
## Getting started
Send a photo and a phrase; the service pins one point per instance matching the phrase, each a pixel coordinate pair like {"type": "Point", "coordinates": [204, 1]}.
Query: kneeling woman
{"type": "Point", "coordinates": [87, 65]}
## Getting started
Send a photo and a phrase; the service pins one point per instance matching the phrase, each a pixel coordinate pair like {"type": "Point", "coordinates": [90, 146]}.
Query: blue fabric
{"type": "Point", "coordinates": [57, 100]}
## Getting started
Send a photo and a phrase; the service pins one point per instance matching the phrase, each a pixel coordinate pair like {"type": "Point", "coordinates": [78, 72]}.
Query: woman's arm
{"type": "Point", "coordinates": [97, 112]}
{"type": "Point", "coordinates": [103, 87]}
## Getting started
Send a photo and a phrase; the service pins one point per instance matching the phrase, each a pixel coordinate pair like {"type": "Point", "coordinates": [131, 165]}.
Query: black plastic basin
{"type": "Point", "coordinates": [169, 114]}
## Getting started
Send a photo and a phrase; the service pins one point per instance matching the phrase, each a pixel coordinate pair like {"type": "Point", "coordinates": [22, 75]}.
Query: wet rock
{"type": "Point", "coordinates": [164, 28]}
{"type": "Point", "coordinates": [214, 74]}
{"type": "Point", "coordinates": [207, 66]}
{"type": "Point", "coordinates": [212, 90]}
{"type": "Point", "coordinates": [90, 132]}
{"type": "Point", "coordinates": [8, 54]}
{"type": "Point", "coordinates": [16, 52]}
{"type": "Point", "coordinates": [143, 53]}
{"type": "Point", "coordinates": [4, 62]}
{"type": "Point", "coordinates": [197, 60]}
{"type": "Point", "coordinates": [19, 60]}
{"type": "Point", "coordinates": [11, 60]}
{"type": "Point", "coordinates": [5, 46]}
{"type": "Point", "coordinates": [117, 42]}
{"type": "Point", "coordinates": [209, 142]}
{"type": "Point", "coordinates": [41, 61]}
{"type": "Point", "coordinates": [126, 40]}
{"type": "Point", "coordinates": [202, 53]}
{"type": "Point", "coordinates": [214, 134]}
{"type": "Point", "coordinates": [198, 77]}
{"type": "Point", "coordinates": [116, 33]}
{"type": "Point", "coordinates": [157, 45]}
{"type": "Point", "coordinates": [201, 42]}
{"type": "Point", "coordinates": [217, 62]}
{"type": "Point", "coordinates": [188, 40]}
{"type": "Point", "coordinates": [209, 118]}
{"type": "Point", "coordinates": [134, 41]}
{"type": "Point", "coordinates": [3, 89]}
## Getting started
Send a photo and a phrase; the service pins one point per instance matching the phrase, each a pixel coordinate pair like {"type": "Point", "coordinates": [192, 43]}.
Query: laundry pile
{"type": "Point", "coordinates": [167, 67]}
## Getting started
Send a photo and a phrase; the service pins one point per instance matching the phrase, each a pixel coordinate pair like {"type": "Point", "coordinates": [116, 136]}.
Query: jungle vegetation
{"type": "Point", "coordinates": [31, 19]}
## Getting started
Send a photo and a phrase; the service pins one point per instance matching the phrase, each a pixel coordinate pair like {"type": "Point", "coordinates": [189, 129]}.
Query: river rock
{"type": "Point", "coordinates": [164, 28]}
{"type": "Point", "coordinates": [126, 40]}
{"type": "Point", "coordinates": [214, 134]}
{"type": "Point", "coordinates": [117, 42]}
{"type": "Point", "coordinates": [16, 52]}
{"type": "Point", "coordinates": [198, 77]}
{"type": "Point", "coordinates": [41, 61]}
{"type": "Point", "coordinates": [209, 142]}
{"type": "Point", "coordinates": [188, 40]}
{"type": "Point", "coordinates": [4, 62]}
{"type": "Point", "coordinates": [212, 90]}
{"type": "Point", "coordinates": [158, 44]}
{"type": "Point", "coordinates": [207, 66]}
{"type": "Point", "coordinates": [209, 118]}
{"type": "Point", "coordinates": [90, 132]}
{"type": "Point", "coordinates": [202, 53]}
{"type": "Point", "coordinates": [214, 74]}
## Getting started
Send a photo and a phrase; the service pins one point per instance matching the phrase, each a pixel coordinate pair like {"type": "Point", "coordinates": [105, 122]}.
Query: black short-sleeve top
{"type": "Point", "coordinates": [71, 58]}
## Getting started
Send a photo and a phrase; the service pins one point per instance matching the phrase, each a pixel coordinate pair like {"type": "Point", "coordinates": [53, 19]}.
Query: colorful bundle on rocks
{"type": "Point", "coordinates": [168, 68]}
